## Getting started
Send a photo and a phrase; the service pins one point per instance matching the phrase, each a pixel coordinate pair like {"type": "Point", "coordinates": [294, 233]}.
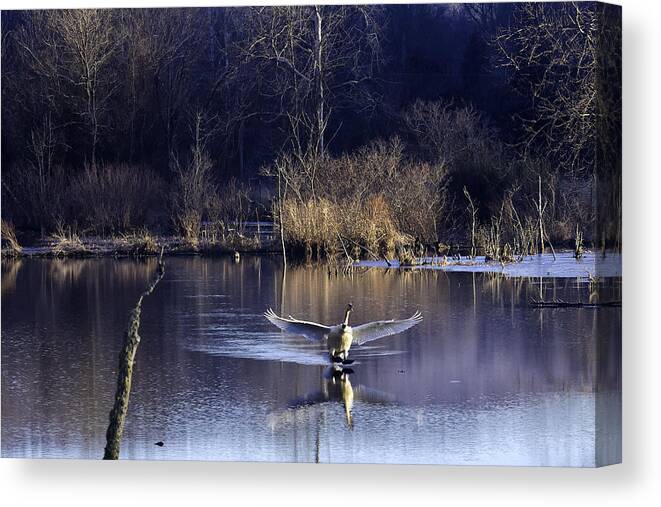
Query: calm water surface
{"type": "Point", "coordinates": [484, 379]}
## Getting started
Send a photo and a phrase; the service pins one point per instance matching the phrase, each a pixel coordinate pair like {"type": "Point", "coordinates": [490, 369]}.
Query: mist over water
{"type": "Point", "coordinates": [484, 379]}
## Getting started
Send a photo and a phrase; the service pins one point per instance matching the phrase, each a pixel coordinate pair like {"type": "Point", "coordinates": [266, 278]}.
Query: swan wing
{"type": "Point", "coordinates": [380, 328]}
{"type": "Point", "coordinates": [311, 330]}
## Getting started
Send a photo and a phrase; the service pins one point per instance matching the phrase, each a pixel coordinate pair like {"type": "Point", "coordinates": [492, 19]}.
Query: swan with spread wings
{"type": "Point", "coordinates": [341, 337]}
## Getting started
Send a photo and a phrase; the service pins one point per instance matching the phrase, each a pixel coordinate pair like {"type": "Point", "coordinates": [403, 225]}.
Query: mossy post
{"type": "Point", "coordinates": [125, 370]}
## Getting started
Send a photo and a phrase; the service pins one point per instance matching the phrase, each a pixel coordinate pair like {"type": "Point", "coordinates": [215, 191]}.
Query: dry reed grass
{"type": "Point", "coordinates": [9, 239]}
{"type": "Point", "coordinates": [355, 229]}
{"type": "Point", "coordinates": [140, 242]}
{"type": "Point", "coordinates": [65, 242]}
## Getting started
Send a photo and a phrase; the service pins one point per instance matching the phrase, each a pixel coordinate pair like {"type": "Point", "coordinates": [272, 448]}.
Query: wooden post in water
{"type": "Point", "coordinates": [125, 370]}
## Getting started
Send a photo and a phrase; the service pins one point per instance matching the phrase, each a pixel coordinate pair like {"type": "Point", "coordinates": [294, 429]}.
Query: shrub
{"type": "Point", "coordinates": [194, 190]}
{"type": "Point", "coordinates": [114, 199]}
{"type": "Point", "coordinates": [228, 210]}
{"type": "Point", "coordinates": [458, 136]}
{"type": "Point", "coordinates": [365, 203]}
{"type": "Point", "coordinates": [65, 241]}
{"type": "Point", "coordinates": [9, 240]}
{"type": "Point", "coordinates": [356, 229]}
{"type": "Point", "coordinates": [140, 242]}
{"type": "Point", "coordinates": [37, 197]}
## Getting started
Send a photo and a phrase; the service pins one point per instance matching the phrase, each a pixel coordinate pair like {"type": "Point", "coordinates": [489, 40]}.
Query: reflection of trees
{"type": "Point", "coordinates": [59, 345]}
{"type": "Point", "coordinates": [66, 273]}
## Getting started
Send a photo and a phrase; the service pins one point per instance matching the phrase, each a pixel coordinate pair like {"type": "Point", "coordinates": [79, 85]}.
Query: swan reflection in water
{"type": "Point", "coordinates": [336, 388]}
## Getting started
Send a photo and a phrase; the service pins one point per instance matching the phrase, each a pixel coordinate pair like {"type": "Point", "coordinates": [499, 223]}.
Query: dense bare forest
{"type": "Point", "coordinates": [358, 130]}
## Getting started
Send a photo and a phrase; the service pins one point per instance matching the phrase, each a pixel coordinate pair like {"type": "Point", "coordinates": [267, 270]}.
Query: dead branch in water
{"type": "Point", "coordinates": [125, 370]}
{"type": "Point", "coordinates": [559, 303]}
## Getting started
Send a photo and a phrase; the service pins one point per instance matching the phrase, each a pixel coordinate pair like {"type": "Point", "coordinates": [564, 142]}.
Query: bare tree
{"type": "Point", "coordinates": [234, 91]}
{"type": "Point", "coordinates": [88, 42]}
{"type": "Point", "coordinates": [484, 15]}
{"type": "Point", "coordinates": [551, 49]}
{"type": "Point", "coordinates": [174, 37]}
{"type": "Point", "coordinates": [313, 59]}
{"type": "Point", "coordinates": [460, 138]}
{"type": "Point", "coordinates": [566, 59]}
{"type": "Point", "coordinates": [194, 187]}
{"type": "Point", "coordinates": [43, 102]}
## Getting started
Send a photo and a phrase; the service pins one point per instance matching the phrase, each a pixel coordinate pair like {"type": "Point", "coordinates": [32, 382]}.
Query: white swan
{"type": "Point", "coordinates": [341, 337]}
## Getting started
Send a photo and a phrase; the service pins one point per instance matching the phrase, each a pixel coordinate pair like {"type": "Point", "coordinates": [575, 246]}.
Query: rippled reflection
{"type": "Point", "coordinates": [484, 379]}
{"type": "Point", "coordinates": [336, 389]}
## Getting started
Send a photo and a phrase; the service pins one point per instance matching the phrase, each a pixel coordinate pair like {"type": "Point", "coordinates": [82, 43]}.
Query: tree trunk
{"type": "Point", "coordinates": [319, 82]}
{"type": "Point", "coordinates": [125, 370]}
{"type": "Point", "coordinates": [282, 227]}
{"type": "Point", "coordinates": [540, 213]}
{"type": "Point", "coordinates": [241, 148]}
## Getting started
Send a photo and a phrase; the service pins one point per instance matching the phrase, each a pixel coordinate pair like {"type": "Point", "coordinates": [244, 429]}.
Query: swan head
{"type": "Point", "coordinates": [346, 316]}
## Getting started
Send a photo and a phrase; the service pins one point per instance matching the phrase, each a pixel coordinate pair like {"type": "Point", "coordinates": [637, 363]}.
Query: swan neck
{"type": "Point", "coordinates": [346, 316]}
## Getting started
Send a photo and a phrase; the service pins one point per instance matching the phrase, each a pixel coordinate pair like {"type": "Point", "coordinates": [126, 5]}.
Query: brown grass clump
{"type": "Point", "coordinates": [65, 242]}
{"type": "Point", "coordinates": [141, 242]}
{"type": "Point", "coordinates": [312, 224]}
{"type": "Point", "coordinates": [355, 229]}
{"type": "Point", "coordinates": [361, 205]}
{"type": "Point", "coordinates": [376, 226]}
{"type": "Point", "coordinates": [8, 233]}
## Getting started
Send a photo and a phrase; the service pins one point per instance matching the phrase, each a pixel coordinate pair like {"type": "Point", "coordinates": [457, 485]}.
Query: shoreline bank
{"type": "Point", "coordinates": [562, 265]}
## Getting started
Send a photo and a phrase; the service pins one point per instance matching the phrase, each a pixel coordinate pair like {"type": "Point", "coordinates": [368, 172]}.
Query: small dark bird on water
{"type": "Point", "coordinates": [159, 443]}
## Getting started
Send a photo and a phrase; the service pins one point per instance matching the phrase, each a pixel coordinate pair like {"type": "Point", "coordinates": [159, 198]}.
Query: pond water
{"type": "Point", "coordinates": [563, 265]}
{"type": "Point", "coordinates": [484, 379]}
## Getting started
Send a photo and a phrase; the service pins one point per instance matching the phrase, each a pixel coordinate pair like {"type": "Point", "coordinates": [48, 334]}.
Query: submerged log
{"type": "Point", "coordinates": [559, 303]}
{"type": "Point", "coordinates": [125, 370]}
